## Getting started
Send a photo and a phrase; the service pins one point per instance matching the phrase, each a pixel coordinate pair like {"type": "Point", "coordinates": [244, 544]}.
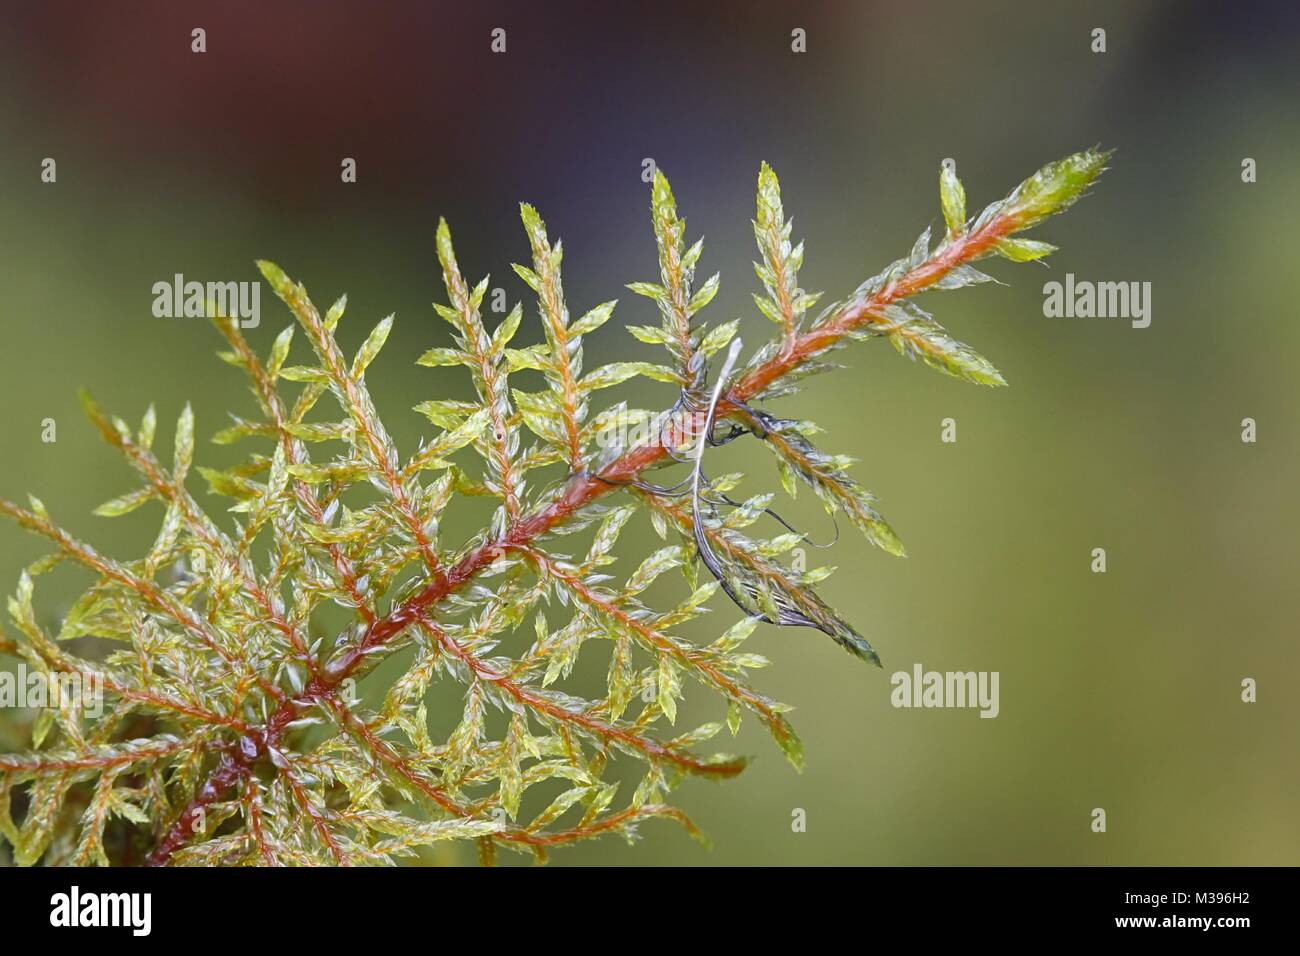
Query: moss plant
{"type": "Point", "coordinates": [230, 730]}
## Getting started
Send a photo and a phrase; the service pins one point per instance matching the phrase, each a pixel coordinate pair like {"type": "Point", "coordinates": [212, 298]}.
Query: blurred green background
{"type": "Point", "coordinates": [1119, 690]}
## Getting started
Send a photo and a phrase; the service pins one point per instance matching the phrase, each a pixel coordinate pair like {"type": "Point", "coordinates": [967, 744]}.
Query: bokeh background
{"type": "Point", "coordinates": [1119, 690]}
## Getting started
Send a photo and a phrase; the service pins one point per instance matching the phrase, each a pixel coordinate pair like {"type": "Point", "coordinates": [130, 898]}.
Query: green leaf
{"type": "Point", "coordinates": [659, 373]}
{"type": "Point", "coordinates": [279, 352]}
{"type": "Point", "coordinates": [650, 334]}
{"type": "Point", "coordinates": [612, 374]}
{"type": "Point", "coordinates": [446, 414]}
{"type": "Point", "coordinates": [668, 687]}
{"type": "Point", "coordinates": [184, 456]}
{"type": "Point", "coordinates": [528, 275]}
{"type": "Point", "coordinates": [507, 329]}
{"type": "Point", "coordinates": [953, 199]}
{"type": "Point", "coordinates": [443, 356]}
{"type": "Point", "coordinates": [650, 290]}
{"type": "Point", "coordinates": [335, 313]}
{"type": "Point", "coordinates": [305, 373]}
{"type": "Point", "coordinates": [769, 212]}
{"type": "Point", "coordinates": [321, 431]}
{"type": "Point", "coordinates": [124, 504]}
{"type": "Point", "coordinates": [622, 676]}
{"type": "Point", "coordinates": [148, 426]}
{"type": "Point", "coordinates": [719, 337]}
{"type": "Point", "coordinates": [704, 295]}
{"type": "Point", "coordinates": [370, 348]}
{"type": "Point", "coordinates": [593, 319]}
{"type": "Point", "coordinates": [1023, 250]}
{"type": "Point", "coordinates": [535, 357]}
{"type": "Point", "coordinates": [790, 744]}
